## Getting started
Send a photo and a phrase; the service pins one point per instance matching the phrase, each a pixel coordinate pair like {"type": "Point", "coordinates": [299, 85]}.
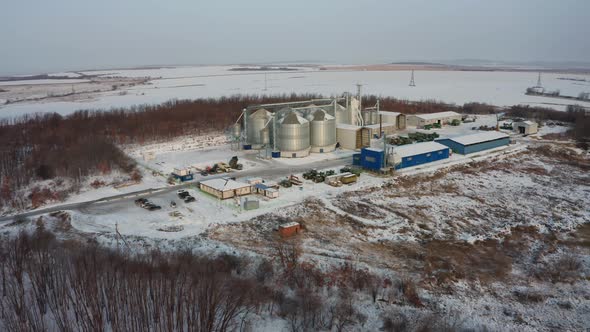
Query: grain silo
{"type": "Point", "coordinates": [293, 136]}
{"type": "Point", "coordinates": [256, 123]}
{"type": "Point", "coordinates": [323, 132]}
{"type": "Point", "coordinates": [374, 117]}
{"type": "Point", "coordinates": [366, 118]}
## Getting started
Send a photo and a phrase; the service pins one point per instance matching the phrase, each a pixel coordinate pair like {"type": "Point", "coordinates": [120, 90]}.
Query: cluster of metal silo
{"type": "Point", "coordinates": [258, 123]}
{"type": "Point", "coordinates": [294, 136]}
{"type": "Point", "coordinates": [298, 131]}
{"type": "Point", "coordinates": [323, 132]}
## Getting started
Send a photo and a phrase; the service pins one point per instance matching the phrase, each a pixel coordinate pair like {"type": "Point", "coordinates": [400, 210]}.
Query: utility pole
{"type": "Point", "coordinates": [412, 83]}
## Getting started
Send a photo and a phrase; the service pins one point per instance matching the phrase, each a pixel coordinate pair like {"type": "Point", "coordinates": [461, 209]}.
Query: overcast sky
{"type": "Point", "coordinates": [42, 36]}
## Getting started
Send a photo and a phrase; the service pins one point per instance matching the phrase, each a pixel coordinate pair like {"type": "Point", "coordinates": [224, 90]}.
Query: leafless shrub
{"type": "Point", "coordinates": [395, 323]}
{"type": "Point", "coordinates": [529, 296]}
{"type": "Point", "coordinates": [567, 268]}
{"type": "Point", "coordinates": [264, 271]}
{"type": "Point", "coordinates": [407, 287]}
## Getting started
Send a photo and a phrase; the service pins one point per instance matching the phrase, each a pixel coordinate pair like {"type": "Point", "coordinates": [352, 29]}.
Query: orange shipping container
{"type": "Point", "coordinates": [289, 229]}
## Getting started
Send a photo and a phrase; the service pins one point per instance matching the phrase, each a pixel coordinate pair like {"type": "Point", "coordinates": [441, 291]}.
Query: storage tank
{"type": "Point", "coordinates": [236, 131]}
{"type": "Point", "coordinates": [374, 117]}
{"type": "Point", "coordinates": [293, 136]}
{"type": "Point", "coordinates": [256, 122]}
{"type": "Point", "coordinates": [265, 136]}
{"type": "Point", "coordinates": [323, 132]}
{"type": "Point", "coordinates": [366, 118]}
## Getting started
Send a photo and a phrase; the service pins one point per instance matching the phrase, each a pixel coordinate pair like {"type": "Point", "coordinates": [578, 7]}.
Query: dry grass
{"type": "Point", "coordinates": [563, 155]}
{"type": "Point", "coordinates": [361, 209]}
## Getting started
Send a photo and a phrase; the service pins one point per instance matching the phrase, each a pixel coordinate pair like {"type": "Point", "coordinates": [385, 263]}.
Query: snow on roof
{"type": "Point", "coordinates": [289, 224]}
{"type": "Point", "coordinates": [321, 115]}
{"type": "Point", "coordinates": [483, 136]}
{"type": "Point", "coordinates": [417, 148]}
{"type": "Point", "coordinates": [376, 126]}
{"type": "Point", "coordinates": [430, 116]}
{"type": "Point", "coordinates": [388, 113]}
{"type": "Point", "coordinates": [347, 126]}
{"type": "Point", "coordinates": [374, 149]}
{"type": "Point", "coordinates": [527, 122]}
{"type": "Point", "coordinates": [294, 118]}
{"type": "Point", "coordinates": [224, 184]}
{"type": "Point", "coordinates": [261, 112]}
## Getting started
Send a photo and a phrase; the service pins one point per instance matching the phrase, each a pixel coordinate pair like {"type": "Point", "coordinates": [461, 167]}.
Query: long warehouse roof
{"type": "Point", "coordinates": [480, 137]}
{"type": "Point", "coordinates": [430, 116]}
{"type": "Point", "coordinates": [409, 150]}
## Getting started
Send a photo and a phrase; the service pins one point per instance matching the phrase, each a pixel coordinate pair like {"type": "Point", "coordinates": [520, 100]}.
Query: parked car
{"type": "Point", "coordinates": [182, 194]}
{"type": "Point", "coordinates": [155, 207]}
{"type": "Point", "coordinates": [140, 201]}
{"type": "Point", "coordinates": [204, 173]}
{"type": "Point", "coordinates": [152, 207]}
{"type": "Point", "coordinates": [189, 199]}
{"type": "Point", "coordinates": [172, 204]}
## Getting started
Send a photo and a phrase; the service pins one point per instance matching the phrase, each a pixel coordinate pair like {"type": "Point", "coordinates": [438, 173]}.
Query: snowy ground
{"type": "Point", "coordinates": [483, 240]}
{"type": "Point", "coordinates": [497, 88]}
{"type": "Point", "coordinates": [480, 234]}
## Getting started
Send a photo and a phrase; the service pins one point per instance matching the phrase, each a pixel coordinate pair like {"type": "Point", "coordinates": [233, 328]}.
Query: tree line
{"type": "Point", "coordinates": [47, 285]}
{"type": "Point", "coordinates": [47, 146]}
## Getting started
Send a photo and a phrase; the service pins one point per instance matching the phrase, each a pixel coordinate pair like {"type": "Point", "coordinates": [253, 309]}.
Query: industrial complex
{"type": "Point", "coordinates": [299, 129]}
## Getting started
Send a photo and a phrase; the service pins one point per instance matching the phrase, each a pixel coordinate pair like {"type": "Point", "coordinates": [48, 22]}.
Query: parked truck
{"type": "Point", "coordinates": [233, 163]}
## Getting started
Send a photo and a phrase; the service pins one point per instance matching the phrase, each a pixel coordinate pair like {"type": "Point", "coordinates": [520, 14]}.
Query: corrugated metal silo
{"type": "Point", "coordinates": [256, 122]}
{"type": "Point", "coordinates": [293, 136]}
{"type": "Point", "coordinates": [374, 117]}
{"type": "Point", "coordinates": [323, 132]}
{"type": "Point", "coordinates": [366, 118]}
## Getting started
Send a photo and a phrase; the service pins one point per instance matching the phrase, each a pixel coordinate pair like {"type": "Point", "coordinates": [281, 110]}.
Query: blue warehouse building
{"type": "Point", "coordinates": [417, 154]}
{"type": "Point", "coordinates": [471, 143]}
{"type": "Point", "coordinates": [372, 159]}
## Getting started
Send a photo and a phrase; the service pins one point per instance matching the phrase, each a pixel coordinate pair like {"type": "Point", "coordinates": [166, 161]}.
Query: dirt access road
{"type": "Point", "coordinates": [272, 171]}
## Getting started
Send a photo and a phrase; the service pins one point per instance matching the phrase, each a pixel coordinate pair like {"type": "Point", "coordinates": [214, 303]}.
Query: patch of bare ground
{"type": "Point", "coordinates": [360, 208]}
{"type": "Point", "coordinates": [439, 263]}
{"type": "Point", "coordinates": [580, 238]}
{"type": "Point", "coordinates": [562, 155]}
{"type": "Point", "coordinates": [321, 227]}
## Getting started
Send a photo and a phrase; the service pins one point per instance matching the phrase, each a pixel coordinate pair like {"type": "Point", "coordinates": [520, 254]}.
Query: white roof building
{"type": "Point", "coordinates": [479, 137]}
{"type": "Point", "coordinates": [417, 148]}
{"type": "Point", "coordinates": [420, 120]}
{"type": "Point", "coordinates": [432, 116]}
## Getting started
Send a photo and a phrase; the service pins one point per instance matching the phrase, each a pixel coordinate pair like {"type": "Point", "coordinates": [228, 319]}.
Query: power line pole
{"type": "Point", "coordinates": [412, 83]}
{"type": "Point", "coordinates": [358, 93]}
{"type": "Point", "coordinates": [539, 85]}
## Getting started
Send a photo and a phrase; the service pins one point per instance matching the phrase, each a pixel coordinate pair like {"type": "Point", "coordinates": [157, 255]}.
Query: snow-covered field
{"type": "Point", "coordinates": [494, 87]}
{"type": "Point", "coordinates": [475, 232]}
{"type": "Point", "coordinates": [483, 240]}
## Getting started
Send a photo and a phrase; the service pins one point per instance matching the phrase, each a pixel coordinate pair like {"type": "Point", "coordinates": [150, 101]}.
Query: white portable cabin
{"type": "Point", "coordinates": [525, 127]}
